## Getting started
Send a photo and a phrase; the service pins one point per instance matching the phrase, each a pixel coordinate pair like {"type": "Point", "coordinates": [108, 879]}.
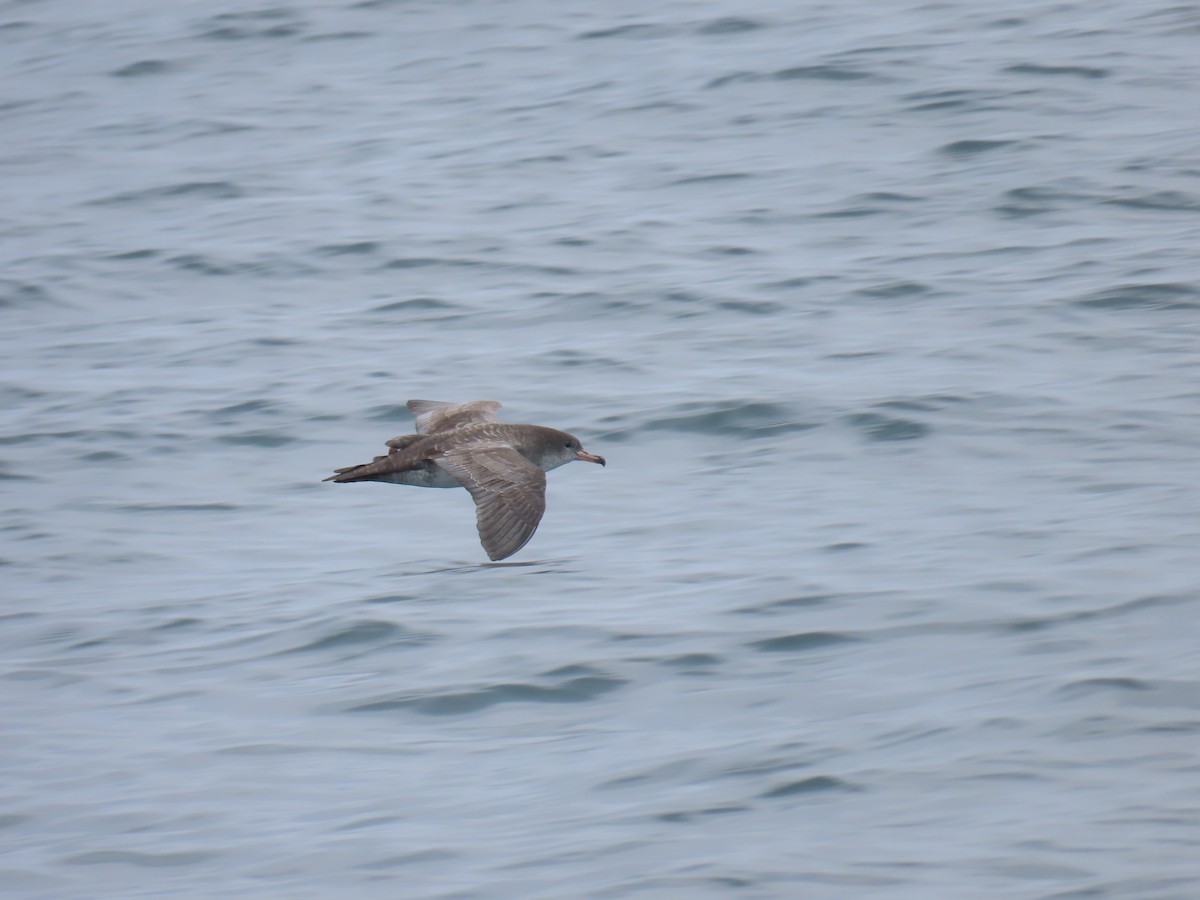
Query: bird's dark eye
{"type": "Point", "coordinates": [569, 444]}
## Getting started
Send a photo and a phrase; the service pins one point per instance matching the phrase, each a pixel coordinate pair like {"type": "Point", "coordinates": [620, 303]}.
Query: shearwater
{"type": "Point", "coordinates": [466, 445]}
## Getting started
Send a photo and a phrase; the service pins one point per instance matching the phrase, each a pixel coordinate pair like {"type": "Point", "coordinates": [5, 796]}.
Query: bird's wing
{"type": "Point", "coordinates": [402, 441]}
{"type": "Point", "coordinates": [509, 492]}
{"type": "Point", "coordinates": [436, 415]}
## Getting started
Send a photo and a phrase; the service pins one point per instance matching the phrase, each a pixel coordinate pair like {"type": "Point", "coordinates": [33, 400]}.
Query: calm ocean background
{"type": "Point", "coordinates": [886, 316]}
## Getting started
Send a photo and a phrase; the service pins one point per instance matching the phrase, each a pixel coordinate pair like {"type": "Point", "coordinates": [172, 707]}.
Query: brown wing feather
{"type": "Point", "coordinates": [433, 416]}
{"type": "Point", "coordinates": [437, 415]}
{"type": "Point", "coordinates": [402, 441]}
{"type": "Point", "coordinates": [509, 493]}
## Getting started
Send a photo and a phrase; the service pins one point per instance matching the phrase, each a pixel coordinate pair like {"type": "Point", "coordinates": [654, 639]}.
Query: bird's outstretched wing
{"type": "Point", "coordinates": [436, 415]}
{"type": "Point", "coordinates": [509, 492]}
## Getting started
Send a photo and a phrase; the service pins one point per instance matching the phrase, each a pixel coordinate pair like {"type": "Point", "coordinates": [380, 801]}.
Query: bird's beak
{"type": "Point", "coordinates": [589, 457]}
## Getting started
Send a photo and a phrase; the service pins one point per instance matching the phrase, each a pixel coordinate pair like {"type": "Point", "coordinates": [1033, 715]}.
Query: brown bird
{"type": "Point", "coordinates": [465, 445]}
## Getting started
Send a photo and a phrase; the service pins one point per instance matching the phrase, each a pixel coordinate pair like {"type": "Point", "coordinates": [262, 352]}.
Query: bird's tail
{"type": "Point", "coordinates": [363, 472]}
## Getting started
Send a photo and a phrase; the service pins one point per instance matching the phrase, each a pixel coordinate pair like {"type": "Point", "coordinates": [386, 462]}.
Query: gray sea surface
{"type": "Point", "coordinates": [886, 316]}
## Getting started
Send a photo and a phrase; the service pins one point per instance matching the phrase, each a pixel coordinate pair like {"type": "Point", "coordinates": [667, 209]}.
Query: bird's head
{"type": "Point", "coordinates": [564, 448]}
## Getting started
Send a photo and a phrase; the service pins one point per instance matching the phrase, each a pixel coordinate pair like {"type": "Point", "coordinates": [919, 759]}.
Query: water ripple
{"type": "Point", "coordinates": [457, 703]}
{"type": "Point", "coordinates": [816, 784]}
{"type": "Point", "coordinates": [1160, 295]}
{"type": "Point", "coordinates": [803, 642]}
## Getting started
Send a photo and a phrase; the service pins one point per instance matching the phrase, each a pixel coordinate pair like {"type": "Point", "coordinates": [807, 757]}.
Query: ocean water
{"type": "Point", "coordinates": [883, 314]}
